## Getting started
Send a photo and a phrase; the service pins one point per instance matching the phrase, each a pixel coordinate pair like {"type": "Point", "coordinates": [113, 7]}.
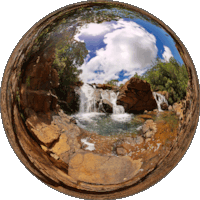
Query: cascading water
{"type": "Point", "coordinates": [92, 115]}
{"type": "Point", "coordinates": [111, 96]}
{"type": "Point", "coordinates": [87, 99]}
{"type": "Point", "coordinates": [159, 100]}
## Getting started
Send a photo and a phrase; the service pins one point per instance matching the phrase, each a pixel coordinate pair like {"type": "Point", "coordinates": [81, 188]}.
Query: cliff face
{"type": "Point", "coordinates": [38, 84]}
{"type": "Point", "coordinates": [136, 96]}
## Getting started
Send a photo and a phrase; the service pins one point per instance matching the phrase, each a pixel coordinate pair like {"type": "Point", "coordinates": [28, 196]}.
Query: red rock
{"type": "Point", "coordinates": [136, 96]}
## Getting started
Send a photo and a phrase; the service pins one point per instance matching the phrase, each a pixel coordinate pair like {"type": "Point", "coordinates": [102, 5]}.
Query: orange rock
{"type": "Point", "coordinates": [45, 133]}
{"type": "Point", "coordinates": [93, 168]}
{"type": "Point", "coordinates": [121, 151]}
{"type": "Point", "coordinates": [61, 146]}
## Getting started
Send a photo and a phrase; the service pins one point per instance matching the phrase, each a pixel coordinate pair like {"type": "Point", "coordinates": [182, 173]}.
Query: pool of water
{"type": "Point", "coordinates": [106, 124]}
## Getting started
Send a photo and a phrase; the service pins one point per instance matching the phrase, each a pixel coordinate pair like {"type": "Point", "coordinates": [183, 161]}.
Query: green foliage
{"type": "Point", "coordinates": [113, 82]}
{"type": "Point", "coordinates": [69, 56]}
{"type": "Point", "coordinates": [168, 76]}
{"type": "Point", "coordinates": [138, 76]}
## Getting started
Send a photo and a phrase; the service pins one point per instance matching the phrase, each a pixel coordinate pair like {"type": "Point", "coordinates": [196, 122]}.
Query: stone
{"type": "Point", "coordinates": [130, 141]}
{"type": "Point", "coordinates": [107, 106]}
{"type": "Point", "coordinates": [136, 96]}
{"type": "Point", "coordinates": [170, 108]}
{"type": "Point", "coordinates": [147, 140]}
{"type": "Point", "coordinates": [164, 106]}
{"type": "Point", "coordinates": [61, 146]}
{"type": "Point", "coordinates": [178, 108]}
{"type": "Point", "coordinates": [149, 128]}
{"type": "Point", "coordinates": [127, 146]}
{"type": "Point", "coordinates": [121, 151]}
{"type": "Point", "coordinates": [56, 157]}
{"type": "Point", "coordinates": [145, 116]}
{"type": "Point", "coordinates": [139, 140]}
{"type": "Point", "coordinates": [107, 87]}
{"type": "Point", "coordinates": [54, 78]}
{"type": "Point", "coordinates": [43, 132]}
{"type": "Point", "coordinates": [105, 170]}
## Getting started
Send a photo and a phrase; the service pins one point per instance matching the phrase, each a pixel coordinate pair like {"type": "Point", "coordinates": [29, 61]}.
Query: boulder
{"type": "Point", "coordinates": [121, 151]}
{"type": "Point", "coordinates": [108, 107]}
{"type": "Point", "coordinates": [164, 106]}
{"type": "Point", "coordinates": [46, 134]}
{"type": "Point", "coordinates": [96, 169]}
{"type": "Point", "coordinates": [139, 140]}
{"type": "Point", "coordinates": [170, 108]}
{"type": "Point", "coordinates": [136, 96]}
{"type": "Point", "coordinates": [149, 128]}
{"type": "Point", "coordinates": [107, 87]}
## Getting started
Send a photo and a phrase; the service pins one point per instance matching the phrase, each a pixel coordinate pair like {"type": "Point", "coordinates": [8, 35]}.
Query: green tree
{"type": "Point", "coordinates": [113, 82]}
{"type": "Point", "coordinates": [168, 76]}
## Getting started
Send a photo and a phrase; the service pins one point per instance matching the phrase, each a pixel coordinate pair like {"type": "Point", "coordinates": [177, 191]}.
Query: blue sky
{"type": "Point", "coordinates": [119, 49]}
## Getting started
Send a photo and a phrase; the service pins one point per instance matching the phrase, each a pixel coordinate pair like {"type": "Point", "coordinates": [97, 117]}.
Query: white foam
{"type": "Point", "coordinates": [121, 117]}
{"type": "Point", "coordinates": [90, 146]}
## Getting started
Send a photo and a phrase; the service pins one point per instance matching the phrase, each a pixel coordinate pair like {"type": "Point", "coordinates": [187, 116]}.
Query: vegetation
{"type": "Point", "coordinates": [113, 82]}
{"type": "Point", "coordinates": [167, 76]}
{"type": "Point", "coordinates": [69, 55]}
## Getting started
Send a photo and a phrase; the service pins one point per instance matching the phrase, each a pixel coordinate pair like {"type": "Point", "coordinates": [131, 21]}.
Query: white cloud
{"type": "Point", "coordinates": [167, 54]}
{"type": "Point", "coordinates": [93, 30]}
{"type": "Point", "coordinates": [129, 47]}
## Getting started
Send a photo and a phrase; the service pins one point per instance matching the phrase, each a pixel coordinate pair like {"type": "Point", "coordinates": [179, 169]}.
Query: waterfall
{"type": "Point", "coordinates": [159, 100]}
{"type": "Point", "coordinates": [88, 100]}
{"type": "Point", "coordinates": [111, 96]}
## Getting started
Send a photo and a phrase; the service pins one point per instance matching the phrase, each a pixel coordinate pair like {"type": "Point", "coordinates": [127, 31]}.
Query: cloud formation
{"type": "Point", "coordinates": [129, 47]}
{"type": "Point", "coordinates": [167, 54]}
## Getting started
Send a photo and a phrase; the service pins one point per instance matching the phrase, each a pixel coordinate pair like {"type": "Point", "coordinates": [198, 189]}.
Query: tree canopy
{"type": "Point", "coordinates": [167, 76]}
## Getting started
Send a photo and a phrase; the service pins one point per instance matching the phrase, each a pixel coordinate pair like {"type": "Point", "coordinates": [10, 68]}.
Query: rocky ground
{"type": "Point", "coordinates": [113, 159]}
{"type": "Point", "coordinates": [88, 160]}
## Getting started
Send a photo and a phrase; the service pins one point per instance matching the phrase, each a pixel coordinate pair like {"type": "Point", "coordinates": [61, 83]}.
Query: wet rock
{"type": "Point", "coordinates": [107, 105]}
{"type": "Point", "coordinates": [97, 94]}
{"type": "Point", "coordinates": [93, 168]}
{"type": "Point", "coordinates": [164, 106]}
{"type": "Point", "coordinates": [136, 96]}
{"type": "Point", "coordinates": [149, 128]}
{"type": "Point", "coordinates": [73, 120]}
{"type": "Point", "coordinates": [121, 151]}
